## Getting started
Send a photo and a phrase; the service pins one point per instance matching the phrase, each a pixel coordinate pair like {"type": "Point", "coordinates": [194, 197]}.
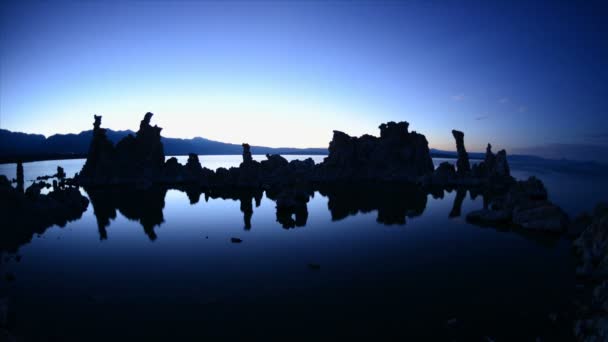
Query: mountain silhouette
{"type": "Point", "coordinates": [15, 145]}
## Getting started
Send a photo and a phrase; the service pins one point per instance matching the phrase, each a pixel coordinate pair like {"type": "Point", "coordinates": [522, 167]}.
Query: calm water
{"type": "Point", "coordinates": [434, 276]}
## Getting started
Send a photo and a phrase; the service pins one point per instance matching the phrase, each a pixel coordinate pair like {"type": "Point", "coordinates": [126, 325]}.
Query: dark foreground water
{"type": "Point", "coordinates": [153, 266]}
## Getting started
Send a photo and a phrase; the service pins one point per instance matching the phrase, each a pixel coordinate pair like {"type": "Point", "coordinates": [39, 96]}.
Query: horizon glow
{"type": "Point", "coordinates": [286, 74]}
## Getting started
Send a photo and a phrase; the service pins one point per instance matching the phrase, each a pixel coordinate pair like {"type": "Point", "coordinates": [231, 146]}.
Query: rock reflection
{"type": "Point", "coordinates": [244, 196]}
{"type": "Point", "coordinates": [461, 193]}
{"type": "Point", "coordinates": [144, 206]}
{"type": "Point", "coordinates": [394, 203]}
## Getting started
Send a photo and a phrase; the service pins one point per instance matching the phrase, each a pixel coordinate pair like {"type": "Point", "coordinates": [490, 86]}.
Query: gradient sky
{"type": "Point", "coordinates": [521, 76]}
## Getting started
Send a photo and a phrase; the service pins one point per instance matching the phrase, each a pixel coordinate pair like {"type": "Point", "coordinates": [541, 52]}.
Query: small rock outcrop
{"type": "Point", "coordinates": [396, 155]}
{"type": "Point", "coordinates": [493, 167]}
{"type": "Point", "coordinates": [20, 182]}
{"type": "Point", "coordinates": [247, 159]}
{"type": "Point", "coordinates": [463, 167]}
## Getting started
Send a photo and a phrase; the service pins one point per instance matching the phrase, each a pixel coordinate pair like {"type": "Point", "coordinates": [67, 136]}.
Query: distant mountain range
{"type": "Point", "coordinates": [15, 145]}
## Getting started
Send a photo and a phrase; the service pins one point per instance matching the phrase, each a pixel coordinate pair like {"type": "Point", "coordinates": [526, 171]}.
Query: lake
{"type": "Point", "coordinates": [154, 265]}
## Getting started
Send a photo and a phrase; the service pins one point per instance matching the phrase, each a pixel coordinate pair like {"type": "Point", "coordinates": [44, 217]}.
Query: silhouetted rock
{"type": "Point", "coordinates": [494, 168]}
{"type": "Point", "coordinates": [34, 190]}
{"type": "Point", "coordinates": [99, 166]}
{"type": "Point", "coordinates": [397, 155]}
{"type": "Point", "coordinates": [60, 173]}
{"type": "Point", "coordinates": [20, 180]}
{"type": "Point", "coordinates": [501, 167]}
{"type": "Point", "coordinates": [193, 167]}
{"type": "Point", "coordinates": [443, 176]}
{"type": "Point", "coordinates": [138, 158]}
{"type": "Point", "coordinates": [247, 159]}
{"type": "Point", "coordinates": [463, 168]}
{"type": "Point", "coordinates": [490, 159]}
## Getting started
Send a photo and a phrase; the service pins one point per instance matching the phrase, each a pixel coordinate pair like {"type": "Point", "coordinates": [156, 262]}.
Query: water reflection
{"type": "Point", "coordinates": [144, 206]}
{"type": "Point", "coordinates": [394, 203]}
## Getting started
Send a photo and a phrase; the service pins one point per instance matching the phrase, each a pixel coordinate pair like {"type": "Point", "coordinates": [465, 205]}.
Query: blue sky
{"type": "Point", "coordinates": [526, 77]}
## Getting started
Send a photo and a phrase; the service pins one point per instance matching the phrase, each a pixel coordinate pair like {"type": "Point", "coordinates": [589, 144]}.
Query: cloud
{"type": "Point", "coordinates": [458, 97]}
{"type": "Point", "coordinates": [504, 100]}
{"type": "Point", "coordinates": [522, 109]}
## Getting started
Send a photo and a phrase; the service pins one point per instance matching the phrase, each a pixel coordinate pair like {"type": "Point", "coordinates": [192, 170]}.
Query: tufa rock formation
{"type": "Point", "coordinates": [247, 159]}
{"type": "Point", "coordinates": [134, 159]}
{"type": "Point", "coordinates": [463, 168]}
{"type": "Point", "coordinates": [397, 155]}
{"type": "Point", "coordinates": [20, 176]}
{"type": "Point", "coordinates": [494, 167]}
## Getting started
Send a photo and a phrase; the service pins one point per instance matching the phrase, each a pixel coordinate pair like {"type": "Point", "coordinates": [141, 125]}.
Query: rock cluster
{"type": "Point", "coordinates": [493, 171]}
{"type": "Point", "coordinates": [494, 167]}
{"type": "Point", "coordinates": [138, 158]}
{"type": "Point", "coordinates": [397, 155]}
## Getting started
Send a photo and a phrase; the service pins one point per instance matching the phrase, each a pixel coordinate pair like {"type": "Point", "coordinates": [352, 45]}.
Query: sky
{"type": "Point", "coordinates": [527, 76]}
